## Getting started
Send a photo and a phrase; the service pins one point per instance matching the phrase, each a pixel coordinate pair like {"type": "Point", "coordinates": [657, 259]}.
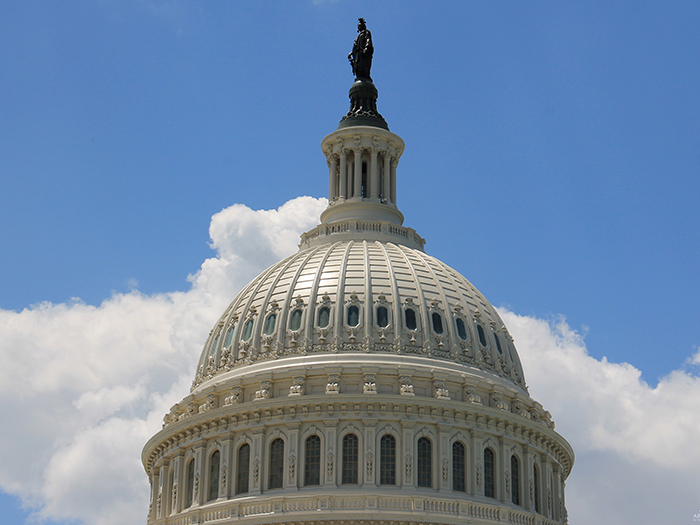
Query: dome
{"type": "Point", "coordinates": [360, 297]}
{"type": "Point", "coordinates": [359, 381]}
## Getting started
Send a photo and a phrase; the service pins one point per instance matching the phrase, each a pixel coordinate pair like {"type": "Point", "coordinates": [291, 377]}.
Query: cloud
{"type": "Point", "coordinates": [636, 444]}
{"type": "Point", "coordinates": [85, 386]}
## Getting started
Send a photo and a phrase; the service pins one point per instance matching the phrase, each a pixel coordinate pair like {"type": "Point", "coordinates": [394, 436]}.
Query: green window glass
{"type": "Point", "coordinates": [489, 474]}
{"type": "Point", "coordinates": [461, 329]}
{"type": "Point", "coordinates": [229, 336]}
{"type": "Point", "coordinates": [295, 321]}
{"type": "Point", "coordinates": [410, 315]}
{"type": "Point", "coordinates": [387, 460]}
{"type": "Point", "coordinates": [243, 469]}
{"type": "Point", "coordinates": [324, 317]}
{"type": "Point", "coordinates": [214, 464]}
{"type": "Point", "coordinates": [248, 330]}
{"type": "Point", "coordinates": [353, 315]}
{"type": "Point", "coordinates": [382, 317]}
{"type": "Point", "coordinates": [437, 323]}
{"type": "Point", "coordinates": [276, 464]}
{"type": "Point", "coordinates": [425, 462]}
{"type": "Point", "coordinates": [515, 480]}
{"type": "Point", "coordinates": [350, 457]}
{"type": "Point", "coordinates": [458, 467]}
{"type": "Point", "coordinates": [482, 335]}
{"type": "Point", "coordinates": [270, 324]}
{"type": "Point", "coordinates": [312, 466]}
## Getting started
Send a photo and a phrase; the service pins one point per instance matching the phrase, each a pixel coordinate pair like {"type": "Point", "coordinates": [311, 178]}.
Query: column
{"type": "Point", "coordinates": [294, 456]}
{"type": "Point", "coordinates": [444, 463]}
{"type": "Point", "coordinates": [526, 477]}
{"type": "Point", "coordinates": [374, 174]}
{"type": "Point", "coordinates": [503, 491]}
{"type": "Point", "coordinates": [371, 455]}
{"type": "Point", "coordinates": [358, 173]}
{"type": "Point", "coordinates": [224, 469]}
{"type": "Point", "coordinates": [333, 177]}
{"type": "Point", "coordinates": [198, 492]}
{"type": "Point", "coordinates": [160, 503]}
{"type": "Point", "coordinates": [332, 459]}
{"type": "Point", "coordinates": [406, 460]}
{"type": "Point", "coordinates": [257, 463]}
{"type": "Point", "coordinates": [394, 162]}
{"type": "Point", "coordinates": [386, 176]}
{"type": "Point", "coordinates": [343, 174]}
{"type": "Point", "coordinates": [176, 489]}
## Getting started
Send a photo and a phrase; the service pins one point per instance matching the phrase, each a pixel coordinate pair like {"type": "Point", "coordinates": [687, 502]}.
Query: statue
{"type": "Point", "coordinates": [361, 55]}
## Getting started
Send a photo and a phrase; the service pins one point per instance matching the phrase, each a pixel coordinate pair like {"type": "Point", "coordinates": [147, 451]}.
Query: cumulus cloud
{"type": "Point", "coordinates": [636, 444]}
{"type": "Point", "coordinates": [85, 386]}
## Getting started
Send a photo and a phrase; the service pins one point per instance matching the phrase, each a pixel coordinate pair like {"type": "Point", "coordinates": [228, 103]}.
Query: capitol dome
{"type": "Point", "coordinates": [359, 380]}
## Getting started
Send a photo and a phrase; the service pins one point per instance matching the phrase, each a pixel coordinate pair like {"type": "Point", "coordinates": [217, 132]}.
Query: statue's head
{"type": "Point", "coordinates": [361, 25]}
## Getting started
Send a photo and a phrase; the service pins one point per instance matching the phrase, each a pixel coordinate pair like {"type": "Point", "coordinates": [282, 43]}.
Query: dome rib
{"type": "Point", "coordinates": [284, 313]}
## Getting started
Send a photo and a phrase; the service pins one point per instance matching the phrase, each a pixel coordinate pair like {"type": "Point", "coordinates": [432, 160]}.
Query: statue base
{"type": "Point", "coordinates": [363, 106]}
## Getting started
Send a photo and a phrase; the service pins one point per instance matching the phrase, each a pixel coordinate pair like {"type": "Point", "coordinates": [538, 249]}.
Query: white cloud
{"type": "Point", "coordinates": [636, 444]}
{"type": "Point", "coordinates": [85, 387]}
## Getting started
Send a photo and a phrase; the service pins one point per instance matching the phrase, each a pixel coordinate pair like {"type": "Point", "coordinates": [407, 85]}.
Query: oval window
{"type": "Point", "coordinates": [324, 317]}
{"type": "Point", "coordinates": [410, 315]}
{"type": "Point", "coordinates": [482, 336]}
{"type": "Point", "coordinates": [248, 330]}
{"type": "Point", "coordinates": [295, 322]}
{"type": "Point", "coordinates": [437, 323]}
{"type": "Point", "coordinates": [270, 324]}
{"type": "Point", "coordinates": [353, 316]}
{"type": "Point", "coordinates": [461, 329]}
{"type": "Point", "coordinates": [382, 317]}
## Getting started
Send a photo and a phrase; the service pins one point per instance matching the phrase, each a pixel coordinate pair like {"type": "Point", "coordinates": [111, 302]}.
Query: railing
{"type": "Point", "coordinates": [414, 507]}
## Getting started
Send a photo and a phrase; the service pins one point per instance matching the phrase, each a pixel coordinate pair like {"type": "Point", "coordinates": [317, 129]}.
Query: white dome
{"type": "Point", "coordinates": [359, 296]}
{"type": "Point", "coordinates": [359, 381]}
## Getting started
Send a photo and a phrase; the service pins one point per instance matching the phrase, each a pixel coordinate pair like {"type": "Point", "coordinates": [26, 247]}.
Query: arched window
{"type": "Point", "coordinates": [461, 329]}
{"type": "Point", "coordinates": [489, 474]}
{"type": "Point", "coordinates": [295, 321]}
{"type": "Point", "coordinates": [276, 464]}
{"type": "Point", "coordinates": [324, 317]}
{"type": "Point", "coordinates": [387, 460]}
{"type": "Point", "coordinates": [353, 315]}
{"type": "Point", "coordinates": [214, 464]}
{"type": "Point", "coordinates": [458, 467]}
{"type": "Point", "coordinates": [515, 480]}
{"type": "Point", "coordinates": [270, 324]}
{"type": "Point", "coordinates": [437, 323]}
{"type": "Point", "coordinates": [190, 484]}
{"type": "Point", "coordinates": [350, 456]}
{"type": "Point", "coordinates": [410, 315]}
{"type": "Point", "coordinates": [482, 335]}
{"type": "Point", "coordinates": [248, 330]}
{"type": "Point", "coordinates": [243, 469]}
{"type": "Point", "coordinates": [312, 467]}
{"type": "Point", "coordinates": [425, 463]}
{"type": "Point", "coordinates": [536, 483]}
{"type": "Point", "coordinates": [382, 317]}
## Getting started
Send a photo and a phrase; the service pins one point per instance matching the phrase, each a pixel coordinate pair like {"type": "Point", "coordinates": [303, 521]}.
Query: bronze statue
{"type": "Point", "coordinates": [361, 55]}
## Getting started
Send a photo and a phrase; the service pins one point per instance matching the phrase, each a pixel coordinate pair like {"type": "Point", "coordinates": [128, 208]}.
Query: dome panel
{"type": "Point", "coordinates": [337, 289]}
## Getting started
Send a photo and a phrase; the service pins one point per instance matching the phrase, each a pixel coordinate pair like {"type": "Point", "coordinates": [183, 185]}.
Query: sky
{"type": "Point", "coordinates": [155, 155]}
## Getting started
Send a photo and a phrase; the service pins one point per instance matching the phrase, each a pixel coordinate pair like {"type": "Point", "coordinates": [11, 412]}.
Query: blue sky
{"type": "Point", "coordinates": [551, 149]}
